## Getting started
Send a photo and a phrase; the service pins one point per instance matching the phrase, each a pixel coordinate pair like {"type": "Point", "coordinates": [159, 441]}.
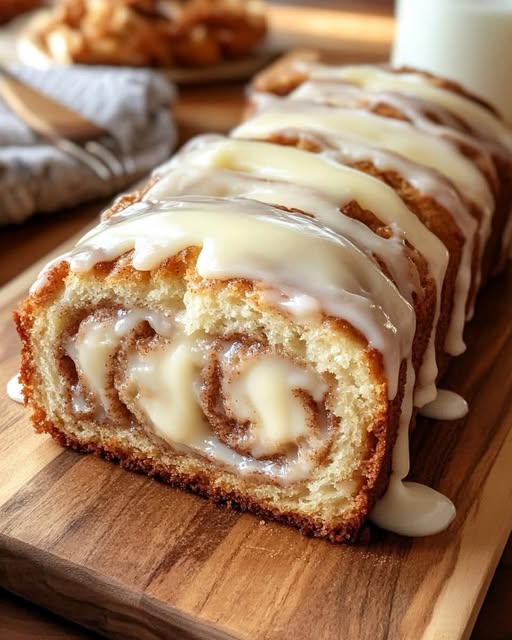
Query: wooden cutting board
{"type": "Point", "coordinates": [134, 559]}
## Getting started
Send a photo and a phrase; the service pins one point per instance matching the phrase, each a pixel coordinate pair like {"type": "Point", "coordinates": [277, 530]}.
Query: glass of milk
{"type": "Point", "coordinates": [469, 41]}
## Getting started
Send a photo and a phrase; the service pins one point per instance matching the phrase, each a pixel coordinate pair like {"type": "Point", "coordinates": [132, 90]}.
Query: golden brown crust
{"type": "Point", "coordinates": [283, 76]}
{"type": "Point", "coordinates": [201, 485]}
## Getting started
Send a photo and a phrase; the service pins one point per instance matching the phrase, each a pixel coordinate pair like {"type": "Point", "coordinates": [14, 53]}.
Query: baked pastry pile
{"type": "Point", "coordinates": [11, 8]}
{"type": "Point", "coordinates": [262, 321]}
{"type": "Point", "coordinates": [166, 33]}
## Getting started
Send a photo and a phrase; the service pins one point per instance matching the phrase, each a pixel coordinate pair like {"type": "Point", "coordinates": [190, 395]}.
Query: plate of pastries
{"type": "Point", "coordinates": [192, 40]}
{"type": "Point", "coordinates": [10, 9]}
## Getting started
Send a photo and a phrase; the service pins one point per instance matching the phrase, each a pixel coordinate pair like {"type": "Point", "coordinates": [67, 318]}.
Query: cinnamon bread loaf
{"type": "Point", "coordinates": [261, 322]}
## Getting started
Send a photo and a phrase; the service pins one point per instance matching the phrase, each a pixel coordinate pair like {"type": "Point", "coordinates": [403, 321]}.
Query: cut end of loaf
{"type": "Point", "coordinates": [347, 472]}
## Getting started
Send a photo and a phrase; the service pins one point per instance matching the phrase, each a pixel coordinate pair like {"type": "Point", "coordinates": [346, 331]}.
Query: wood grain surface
{"type": "Point", "coordinates": [132, 558]}
{"type": "Point", "coordinates": [80, 537]}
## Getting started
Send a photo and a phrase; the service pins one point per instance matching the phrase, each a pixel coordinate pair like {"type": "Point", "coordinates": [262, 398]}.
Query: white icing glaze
{"type": "Point", "coordinates": [340, 184]}
{"type": "Point", "coordinates": [448, 405]}
{"type": "Point", "coordinates": [416, 113]}
{"type": "Point", "coordinates": [341, 94]}
{"type": "Point", "coordinates": [348, 95]}
{"type": "Point", "coordinates": [475, 115]}
{"type": "Point", "coordinates": [426, 180]}
{"type": "Point", "coordinates": [403, 139]}
{"type": "Point", "coordinates": [247, 239]}
{"type": "Point", "coordinates": [400, 461]}
{"type": "Point", "coordinates": [186, 178]}
{"type": "Point", "coordinates": [385, 133]}
{"type": "Point", "coordinates": [15, 389]}
{"type": "Point", "coordinates": [419, 111]}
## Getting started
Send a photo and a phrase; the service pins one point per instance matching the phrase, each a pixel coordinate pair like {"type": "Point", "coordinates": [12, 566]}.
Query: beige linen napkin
{"type": "Point", "coordinates": [134, 105]}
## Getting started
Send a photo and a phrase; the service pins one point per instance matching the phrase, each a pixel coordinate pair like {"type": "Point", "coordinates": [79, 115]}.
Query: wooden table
{"type": "Point", "coordinates": [22, 245]}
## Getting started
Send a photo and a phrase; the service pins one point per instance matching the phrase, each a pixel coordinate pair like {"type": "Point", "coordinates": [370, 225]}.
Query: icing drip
{"type": "Point", "coordinates": [15, 389]}
{"type": "Point", "coordinates": [418, 111]}
{"type": "Point", "coordinates": [415, 109]}
{"type": "Point", "coordinates": [385, 133]}
{"type": "Point", "coordinates": [339, 93]}
{"type": "Point", "coordinates": [412, 509]}
{"type": "Point", "coordinates": [448, 405]}
{"type": "Point", "coordinates": [409, 508]}
{"type": "Point", "coordinates": [342, 93]}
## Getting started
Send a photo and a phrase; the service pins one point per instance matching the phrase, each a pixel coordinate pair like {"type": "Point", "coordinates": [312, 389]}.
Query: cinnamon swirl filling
{"type": "Point", "coordinates": [234, 400]}
{"type": "Point", "coordinates": [263, 404]}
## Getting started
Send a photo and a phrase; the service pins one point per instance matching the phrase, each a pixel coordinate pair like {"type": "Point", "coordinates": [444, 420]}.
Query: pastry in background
{"type": "Point", "coordinates": [11, 8]}
{"type": "Point", "coordinates": [164, 33]}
